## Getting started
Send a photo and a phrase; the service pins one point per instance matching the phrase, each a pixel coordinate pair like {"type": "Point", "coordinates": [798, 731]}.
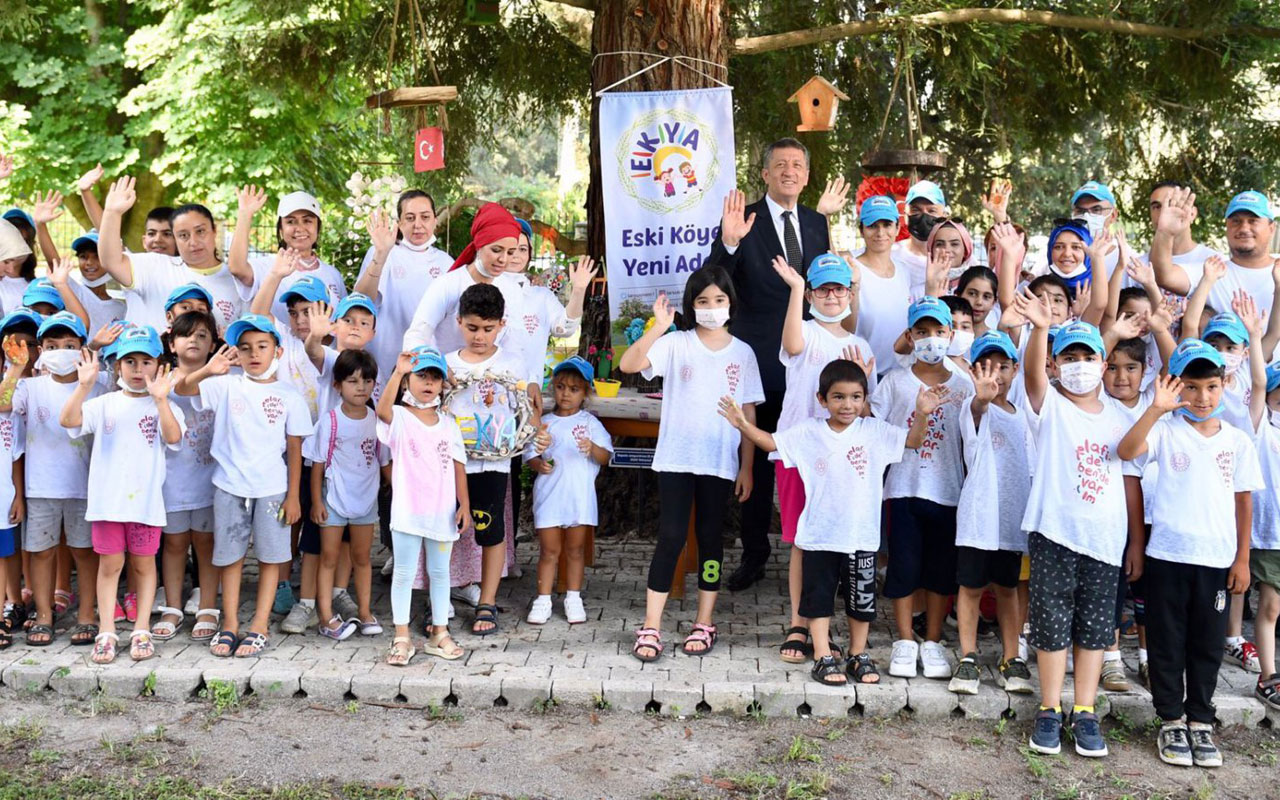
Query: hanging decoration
{"type": "Point", "coordinates": [428, 150]}
{"type": "Point", "coordinates": [818, 101]}
{"type": "Point", "coordinates": [910, 160]}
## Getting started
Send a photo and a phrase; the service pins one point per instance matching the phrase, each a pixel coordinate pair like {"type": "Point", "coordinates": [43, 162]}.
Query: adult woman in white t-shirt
{"type": "Point", "coordinates": [148, 278]}
{"type": "Point", "coordinates": [885, 293]}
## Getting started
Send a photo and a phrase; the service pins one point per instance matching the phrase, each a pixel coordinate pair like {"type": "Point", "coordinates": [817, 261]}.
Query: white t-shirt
{"type": "Point", "coordinates": [1266, 501]}
{"type": "Point", "coordinates": [693, 437]}
{"type": "Point", "coordinates": [471, 404]}
{"type": "Point", "coordinates": [1193, 518]}
{"type": "Point", "coordinates": [1235, 398]}
{"type": "Point", "coordinates": [11, 291]}
{"type": "Point", "coordinates": [542, 317]}
{"type": "Point", "coordinates": [934, 471]}
{"type": "Point", "coordinates": [436, 320]}
{"type": "Point", "coordinates": [882, 312]}
{"type": "Point", "coordinates": [403, 282]}
{"type": "Point", "coordinates": [188, 483]}
{"type": "Point", "coordinates": [1141, 467]}
{"type": "Point", "coordinates": [127, 469]}
{"type": "Point", "coordinates": [155, 276]}
{"type": "Point", "coordinates": [351, 476]}
{"type": "Point", "coordinates": [1191, 262]}
{"type": "Point", "coordinates": [12, 447]}
{"type": "Point", "coordinates": [299, 373]}
{"type": "Point", "coordinates": [841, 474]}
{"type": "Point", "coordinates": [251, 425]}
{"type": "Point", "coordinates": [821, 347]}
{"type": "Point", "coordinates": [1257, 282]}
{"type": "Point", "coordinates": [261, 266]}
{"type": "Point", "coordinates": [915, 266]}
{"type": "Point", "coordinates": [57, 466]}
{"type": "Point", "coordinates": [1077, 492]}
{"type": "Point", "coordinates": [424, 495]}
{"type": "Point", "coordinates": [998, 453]}
{"type": "Point", "coordinates": [101, 312]}
{"type": "Point", "coordinates": [567, 496]}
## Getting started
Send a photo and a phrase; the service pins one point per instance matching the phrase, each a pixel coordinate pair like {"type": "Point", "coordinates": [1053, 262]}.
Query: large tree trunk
{"type": "Point", "coordinates": [695, 28]}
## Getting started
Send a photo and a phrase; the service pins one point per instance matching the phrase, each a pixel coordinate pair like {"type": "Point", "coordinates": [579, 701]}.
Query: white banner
{"type": "Point", "coordinates": [667, 163]}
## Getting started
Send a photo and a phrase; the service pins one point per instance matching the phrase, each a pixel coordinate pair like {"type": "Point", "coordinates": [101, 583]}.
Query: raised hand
{"type": "Point", "coordinates": [1101, 244]}
{"type": "Point", "coordinates": [996, 201]}
{"type": "Point", "coordinates": [122, 195]}
{"type": "Point", "coordinates": [106, 335]}
{"type": "Point", "coordinates": [162, 384]}
{"type": "Point", "coordinates": [733, 224]}
{"type": "Point", "coordinates": [90, 179]}
{"type": "Point", "coordinates": [1127, 326]}
{"type": "Point", "coordinates": [404, 364]}
{"type": "Point", "coordinates": [1168, 389]}
{"type": "Point", "coordinates": [381, 232]}
{"type": "Point", "coordinates": [321, 319]}
{"type": "Point", "coordinates": [252, 199]}
{"type": "Point", "coordinates": [732, 412]}
{"type": "Point", "coordinates": [15, 350]}
{"type": "Point", "coordinates": [581, 273]}
{"type": "Point", "coordinates": [1177, 213]}
{"type": "Point", "coordinates": [286, 263]}
{"type": "Point", "coordinates": [1083, 294]}
{"type": "Point", "coordinates": [794, 280]}
{"type": "Point", "coordinates": [1214, 269]}
{"type": "Point", "coordinates": [985, 387]}
{"type": "Point", "coordinates": [48, 207]}
{"type": "Point", "coordinates": [931, 398]}
{"type": "Point", "coordinates": [663, 313]}
{"type": "Point", "coordinates": [222, 361]}
{"type": "Point", "coordinates": [1247, 310]}
{"type": "Point", "coordinates": [1034, 309]}
{"type": "Point", "coordinates": [1141, 273]}
{"type": "Point", "coordinates": [834, 197]}
{"type": "Point", "coordinates": [851, 353]}
{"type": "Point", "coordinates": [1168, 313]}
{"type": "Point", "coordinates": [87, 369]}
{"type": "Point", "coordinates": [60, 271]}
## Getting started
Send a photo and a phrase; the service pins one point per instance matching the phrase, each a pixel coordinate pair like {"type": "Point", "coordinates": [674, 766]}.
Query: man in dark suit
{"type": "Point", "coordinates": [750, 237]}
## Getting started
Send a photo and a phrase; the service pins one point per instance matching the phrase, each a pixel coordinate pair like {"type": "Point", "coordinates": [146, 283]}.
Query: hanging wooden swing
{"type": "Point", "coordinates": [910, 160]}
{"type": "Point", "coordinates": [416, 97]}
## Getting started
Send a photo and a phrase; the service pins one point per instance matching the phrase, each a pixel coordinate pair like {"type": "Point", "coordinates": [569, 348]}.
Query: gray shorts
{"type": "Point", "coordinates": [1073, 598]}
{"type": "Point", "coordinates": [196, 519]}
{"type": "Point", "coordinates": [237, 521]}
{"type": "Point", "coordinates": [48, 519]}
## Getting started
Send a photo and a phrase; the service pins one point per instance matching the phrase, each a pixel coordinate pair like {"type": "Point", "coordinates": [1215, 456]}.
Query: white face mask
{"type": "Point", "coordinates": [413, 402]}
{"type": "Point", "coordinates": [58, 362]}
{"type": "Point", "coordinates": [1094, 222]}
{"type": "Point", "coordinates": [1232, 361]}
{"type": "Point", "coordinates": [1080, 377]}
{"type": "Point", "coordinates": [932, 349]}
{"type": "Point", "coordinates": [1274, 417]}
{"type": "Point", "coordinates": [96, 282]}
{"type": "Point", "coordinates": [480, 268]}
{"type": "Point", "coordinates": [268, 373]}
{"type": "Point", "coordinates": [838, 317]}
{"type": "Point", "coordinates": [711, 318]}
{"type": "Point", "coordinates": [125, 387]}
{"type": "Point", "coordinates": [961, 341]}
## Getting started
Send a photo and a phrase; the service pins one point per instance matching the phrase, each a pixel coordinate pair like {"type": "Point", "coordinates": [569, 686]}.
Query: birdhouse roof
{"type": "Point", "coordinates": [822, 84]}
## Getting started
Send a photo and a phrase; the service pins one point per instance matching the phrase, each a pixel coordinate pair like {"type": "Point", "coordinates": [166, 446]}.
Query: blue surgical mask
{"type": "Point", "coordinates": [1217, 412]}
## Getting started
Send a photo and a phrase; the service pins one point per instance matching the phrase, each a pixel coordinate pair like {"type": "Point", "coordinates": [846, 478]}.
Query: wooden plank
{"type": "Point", "coordinates": [411, 96]}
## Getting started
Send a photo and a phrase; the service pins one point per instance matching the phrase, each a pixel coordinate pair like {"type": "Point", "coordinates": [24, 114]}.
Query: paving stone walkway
{"type": "Point", "coordinates": [527, 666]}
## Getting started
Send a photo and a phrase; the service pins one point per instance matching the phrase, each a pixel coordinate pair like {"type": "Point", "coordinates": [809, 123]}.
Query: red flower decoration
{"type": "Point", "coordinates": [873, 185]}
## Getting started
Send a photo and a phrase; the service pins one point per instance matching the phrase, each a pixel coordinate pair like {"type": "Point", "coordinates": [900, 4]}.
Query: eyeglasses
{"type": "Point", "coordinates": [828, 291]}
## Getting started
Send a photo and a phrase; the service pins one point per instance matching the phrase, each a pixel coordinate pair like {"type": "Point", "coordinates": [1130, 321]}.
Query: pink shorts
{"type": "Point", "coordinates": [113, 538]}
{"type": "Point", "coordinates": [790, 499]}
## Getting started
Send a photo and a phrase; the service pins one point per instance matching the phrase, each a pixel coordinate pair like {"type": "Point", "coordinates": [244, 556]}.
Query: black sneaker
{"type": "Point", "coordinates": [1204, 753]}
{"type": "Point", "coordinates": [1014, 676]}
{"type": "Point", "coordinates": [1173, 744]}
{"type": "Point", "coordinates": [965, 677]}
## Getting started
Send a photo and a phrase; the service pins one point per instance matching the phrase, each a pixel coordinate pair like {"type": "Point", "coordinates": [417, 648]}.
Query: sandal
{"type": "Point", "coordinates": [62, 600]}
{"type": "Point", "coordinates": [435, 646]}
{"type": "Point", "coordinates": [1268, 692]}
{"type": "Point", "coordinates": [225, 639]}
{"type": "Point", "coordinates": [140, 646]}
{"type": "Point", "coordinates": [398, 656]}
{"type": "Point", "coordinates": [862, 669]}
{"type": "Point", "coordinates": [485, 613]}
{"type": "Point", "coordinates": [6, 639]}
{"type": "Point", "coordinates": [164, 629]}
{"type": "Point", "coordinates": [104, 647]}
{"type": "Point", "coordinates": [647, 638]}
{"type": "Point", "coordinates": [371, 628]}
{"type": "Point", "coordinates": [45, 631]}
{"type": "Point", "coordinates": [252, 645]}
{"type": "Point", "coordinates": [15, 614]}
{"type": "Point", "coordinates": [796, 651]}
{"type": "Point", "coordinates": [84, 633]}
{"type": "Point", "coordinates": [204, 629]}
{"type": "Point", "coordinates": [826, 670]}
{"type": "Point", "coordinates": [701, 634]}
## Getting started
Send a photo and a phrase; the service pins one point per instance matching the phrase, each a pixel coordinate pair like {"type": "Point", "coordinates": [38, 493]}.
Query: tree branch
{"type": "Point", "coordinates": [750, 45]}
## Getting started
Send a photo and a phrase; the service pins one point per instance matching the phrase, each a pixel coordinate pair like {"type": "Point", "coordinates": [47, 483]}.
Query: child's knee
{"type": "Point", "coordinates": [329, 559]}
{"type": "Point", "coordinates": [359, 558]}
{"type": "Point", "coordinates": [575, 553]}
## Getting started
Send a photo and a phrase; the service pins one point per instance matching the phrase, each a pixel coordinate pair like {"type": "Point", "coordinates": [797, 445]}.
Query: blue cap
{"type": "Point", "coordinates": [1255, 203]}
{"type": "Point", "coordinates": [1078, 333]}
{"type": "Point", "coordinates": [829, 268]}
{"type": "Point", "coordinates": [1193, 350]}
{"type": "Point", "coordinates": [424, 357]}
{"type": "Point", "coordinates": [926, 190]}
{"type": "Point", "coordinates": [355, 300]}
{"type": "Point", "coordinates": [18, 214]}
{"type": "Point", "coordinates": [308, 288]}
{"type": "Point", "coordinates": [90, 238]}
{"type": "Point", "coordinates": [1053, 332]}
{"type": "Point", "coordinates": [992, 340]}
{"type": "Point", "coordinates": [188, 291]}
{"type": "Point", "coordinates": [878, 207]}
{"type": "Point", "coordinates": [525, 228]}
{"type": "Point", "coordinates": [41, 291]}
{"type": "Point", "coordinates": [138, 339]}
{"type": "Point", "coordinates": [930, 307]}
{"type": "Point", "coordinates": [1098, 191]}
{"type": "Point", "coordinates": [1273, 377]}
{"type": "Point", "coordinates": [63, 319]}
{"type": "Point", "coordinates": [1229, 325]}
{"type": "Point", "coordinates": [19, 315]}
{"type": "Point", "coordinates": [579, 365]}
{"type": "Point", "coordinates": [250, 322]}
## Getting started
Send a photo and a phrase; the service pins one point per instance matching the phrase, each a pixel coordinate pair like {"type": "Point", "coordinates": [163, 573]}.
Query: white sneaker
{"type": "Point", "coordinates": [388, 566]}
{"type": "Point", "coordinates": [540, 611]}
{"type": "Point", "coordinates": [573, 610]}
{"type": "Point", "coordinates": [933, 657]}
{"type": "Point", "coordinates": [902, 664]}
{"type": "Point", "coordinates": [469, 594]}
{"type": "Point", "coordinates": [193, 603]}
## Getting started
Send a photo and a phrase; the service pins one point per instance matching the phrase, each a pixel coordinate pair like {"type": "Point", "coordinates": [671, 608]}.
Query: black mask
{"type": "Point", "coordinates": [919, 225]}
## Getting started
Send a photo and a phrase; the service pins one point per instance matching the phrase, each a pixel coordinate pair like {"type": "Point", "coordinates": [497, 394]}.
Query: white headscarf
{"type": "Point", "coordinates": [12, 245]}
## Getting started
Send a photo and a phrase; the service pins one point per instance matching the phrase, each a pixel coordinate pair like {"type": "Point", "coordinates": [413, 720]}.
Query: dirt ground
{"type": "Point", "coordinates": [231, 748]}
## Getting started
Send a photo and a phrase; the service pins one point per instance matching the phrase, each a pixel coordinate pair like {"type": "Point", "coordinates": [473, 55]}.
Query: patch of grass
{"type": "Point", "coordinates": [1000, 726]}
{"type": "Point", "coordinates": [223, 694]}
{"type": "Point", "coordinates": [353, 706]}
{"type": "Point", "coordinates": [101, 704]}
{"type": "Point", "coordinates": [442, 714]}
{"type": "Point", "coordinates": [37, 757]}
{"type": "Point", "coordinates": [124, 752]}
{"type": "Point", "coordinates": [803, 749]}
{"type": "Point", "coordinates": [833, 735]}
{"type": "Point", "coordinates": [26, 785]}
{"type": "Point", "coordinates": [27, 731]}
{"type": "Point", "coordinates": [887, 779]}
{"type": "Point", "coordinates": [752, 782]}
{"type": "Point", "coordinates": [978, 741]}
{"type": "Point", "coordinates": [598, 701]}
{"type": "Point", "coordinates": [1036, 764]}
{"type": "Point", "coordinates": [814, 787]}
{"type": "Point", "coordinates": [976, 794]}
{"type": "Point", "coordinates": [149, 685]}
{"type": "Point", "coordinates": [62, 672]}
{"type": "Point", "coordinates": [546, 705]}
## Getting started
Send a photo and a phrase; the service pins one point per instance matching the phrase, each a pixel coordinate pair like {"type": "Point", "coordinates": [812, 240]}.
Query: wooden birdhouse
{"type": "Point", "coordinates": [818, 101]}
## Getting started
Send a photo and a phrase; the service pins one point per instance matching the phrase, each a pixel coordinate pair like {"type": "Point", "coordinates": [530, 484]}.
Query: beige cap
{"type": "Point", "coordinates": [12, 245]}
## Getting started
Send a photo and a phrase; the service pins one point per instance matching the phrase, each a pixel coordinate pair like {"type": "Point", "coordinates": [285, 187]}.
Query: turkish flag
{"type": "Point", "coordinates": [428, 150]}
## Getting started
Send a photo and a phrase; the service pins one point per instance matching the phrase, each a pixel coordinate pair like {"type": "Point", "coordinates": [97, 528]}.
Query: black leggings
{"type": "Point", "coordinates": [681, 492]}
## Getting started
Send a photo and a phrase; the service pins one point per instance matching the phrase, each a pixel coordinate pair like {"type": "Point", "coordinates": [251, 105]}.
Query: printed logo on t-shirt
{"type": "Point", "coordinates": [225, 309]}
{"type": "Point", "coordinates": [434, 271]}
{"type": "Point", "coordinates": [413, 449]}
{"type": "Point", "coordinates": [733, 373]}
{"type": "Point", "coordinates": [42, 414]}
{"type": "Point", "coordinates": [997, 440]}
{"type": "Point", "coordinates": [820, 466]}
{"type": "Point", "coordinates": [1227, 467]}
{"type": "Point", "coordinates": [148, 427]}
{"type": "Point", "coordinates": [857, 456]}
{"type": "Point", "coordinates": [442, 452]}
{"type": "Point", "coordinates": [367, 447]}
{"type": "Point", "coordinates": [579, 433]}
{"type": "Point", "coordinates": [399, 271]}
{"type": "Point", "coordinates": [1091, 467]}
{"type": "Point", "coordinates": [109, 424]}
{"type": "Point", "coordinates": [238, 407]}
{"type": "Point", "coordinates": [530, 322]}
{"type": "Point", "coordinates": [686, 373]}
{"type": "Point", "coordinates": [935, 434]}
{"type": "Point", "coordinates": [1180, 462]}
{"type": "Point", "coordinates": [816, 358]}
{"type": "Point", "coordinates": [6, 433]}
{"type": "Point", "coordinates": [273, 407]}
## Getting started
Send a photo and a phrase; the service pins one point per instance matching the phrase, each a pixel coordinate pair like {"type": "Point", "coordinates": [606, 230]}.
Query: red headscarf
{"type": "Point", "coordinates": [492, 222]}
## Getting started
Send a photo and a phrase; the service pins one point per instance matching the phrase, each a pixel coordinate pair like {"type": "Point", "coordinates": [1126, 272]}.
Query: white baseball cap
{"type": "Point", "coordinates": [297, 201]}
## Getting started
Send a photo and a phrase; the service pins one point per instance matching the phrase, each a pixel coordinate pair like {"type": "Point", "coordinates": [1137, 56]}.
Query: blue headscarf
{"type": "Point", "coordinates": [526, 228]}
{"type": "Point", "coordinates": [1081, 230]}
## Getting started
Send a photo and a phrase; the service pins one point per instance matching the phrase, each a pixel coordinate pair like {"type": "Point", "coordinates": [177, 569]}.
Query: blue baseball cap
{"type": "Point", "coordinates": [20, 315]}
{"type": "Point", "coordinates": [41, 291]}
{"type": "Point", "coordinates": [138, 339]}
{"type": "Point", "coordinates": [579, 365]}
{"type": "Point", "coordinates": [1229, 325]}
{"type": "Point", "coordinates": [308, 288]}
{"type": "Point", "coordinates": [930, 307]}
{"type": "Point", "coordinates": [525, 228]}
{"type": "Point", "coordinates": [15, 214]}
{"type": "Point", "coordinates": [90, 238]}
{"type": "Point", "coordinates": [1193, 350]}
{"type": "Point", "coordinates": [878, 207]}
{"type": "Point", "coordinates": [250, 322]}
{"type": "Point", "coordinates": [1273, 377]}
{"type": "Point", "coordinates": [425, 357]}
{"type": "Point", "coordinates": [1255, 203]}
{"type": "Point", "coordinates": [355, 300]}
{"type": "Point", "coordinates": [1098, 191]}
{"type": "Point", "coordinates": [1078, 333]}
{"type": "Point", "coordinates": [188, 291]}
{"type": "Point", "coordinates": [63, 319]}
{"type": "Point", "coordinates": [1053, 332]}
{"type": "Point", "coordinates": [829, 268]}
{"type": "Point", "coordinates": [998, 341]}
{"type": "Point", "coordinates": [926, 190]}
